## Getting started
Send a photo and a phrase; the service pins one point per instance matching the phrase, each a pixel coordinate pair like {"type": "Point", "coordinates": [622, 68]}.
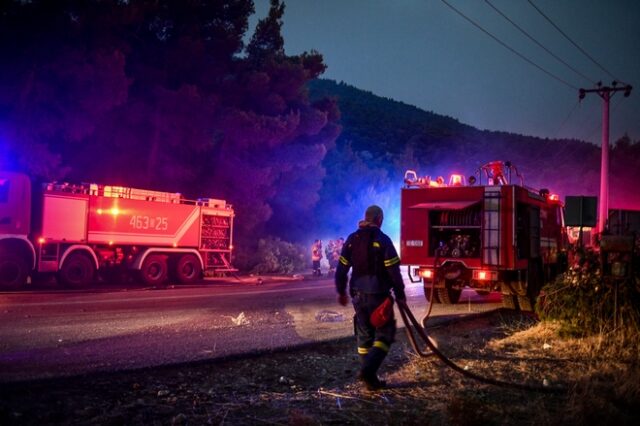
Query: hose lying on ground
{"type": "Point", "coordinates": [410, 321]}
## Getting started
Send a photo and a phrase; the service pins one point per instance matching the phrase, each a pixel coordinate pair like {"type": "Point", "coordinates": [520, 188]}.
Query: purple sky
{"type": "Point", "coordinates": [422, 53]}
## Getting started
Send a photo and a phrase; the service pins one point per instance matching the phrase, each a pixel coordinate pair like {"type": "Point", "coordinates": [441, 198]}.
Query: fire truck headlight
{"type": "Point", "coordinates": [41, 240]}
{"type": "Point", "coordinates": [114, 211]}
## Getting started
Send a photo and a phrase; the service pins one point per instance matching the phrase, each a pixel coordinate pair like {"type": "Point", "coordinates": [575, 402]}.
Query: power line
{"type": "Point", "coordinates": [566, 119]}
{"type": "Point", "coordinates": [538, 43]}
{"type": "Point", "coordinates": [573, 42]}
{"type": "Point", "coordinates": [506, 46]}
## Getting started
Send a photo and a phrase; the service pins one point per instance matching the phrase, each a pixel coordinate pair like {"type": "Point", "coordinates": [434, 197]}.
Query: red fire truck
{"type": "Point", "coordinates": [76, 231]}
{"type": "Point", "coordinates": [488, 233]}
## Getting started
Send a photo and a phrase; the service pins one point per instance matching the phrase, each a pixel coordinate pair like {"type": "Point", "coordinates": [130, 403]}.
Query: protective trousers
{"type": "Point", "coordinates": [373, 343]}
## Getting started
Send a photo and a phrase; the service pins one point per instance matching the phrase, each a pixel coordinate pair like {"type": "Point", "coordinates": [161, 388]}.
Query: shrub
{"type": "Point", "coordinates": [585, 302]}
{"type": "Point", "coordinates": [274, 256]}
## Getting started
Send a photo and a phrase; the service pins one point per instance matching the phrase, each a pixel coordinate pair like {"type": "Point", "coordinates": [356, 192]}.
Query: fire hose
{"type": "Point", "coordinates": [411, 323]}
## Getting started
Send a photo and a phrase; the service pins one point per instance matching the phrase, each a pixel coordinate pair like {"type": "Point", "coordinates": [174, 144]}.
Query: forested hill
{"type": "Point", "coordinates": [376, 123]}
{"type": "Point", "coordinates": [392, 136]}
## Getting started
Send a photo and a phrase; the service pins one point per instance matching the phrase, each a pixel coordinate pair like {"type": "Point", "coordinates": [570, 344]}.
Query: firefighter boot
{"type": "Point", "coordinates": [368, 373]}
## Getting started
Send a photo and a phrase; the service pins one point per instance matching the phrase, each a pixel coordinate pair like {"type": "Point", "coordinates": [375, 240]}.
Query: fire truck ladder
{"type": "Point", "coordinates": [491, 232]}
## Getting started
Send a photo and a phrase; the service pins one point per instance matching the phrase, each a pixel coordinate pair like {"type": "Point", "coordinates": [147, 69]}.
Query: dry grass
{"type": "Point", "coordinates": [315, 385]}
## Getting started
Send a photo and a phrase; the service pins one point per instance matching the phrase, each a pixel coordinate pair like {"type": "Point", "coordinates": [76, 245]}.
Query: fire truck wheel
{"type": "Point", "coordinates": [154, 269]}
{"type": "Point", "coordinates": [449, 295]}
{"type": "Point", "coordinates": [427, 293]}
{"type": "Point", "coordinates": [187, 269]}
{"type": "Point", "coordinates": [77, 271]}
{"type": "Point", "coordinates": [13, 270]}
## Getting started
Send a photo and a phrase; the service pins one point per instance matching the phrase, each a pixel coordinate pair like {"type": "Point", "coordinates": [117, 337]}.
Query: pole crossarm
{"type": "Point", "coordinates": [601, 90]}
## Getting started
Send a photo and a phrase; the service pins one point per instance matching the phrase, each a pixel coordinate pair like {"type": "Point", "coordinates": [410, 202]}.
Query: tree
{"type": "Point", "coordinates": [161, 94]}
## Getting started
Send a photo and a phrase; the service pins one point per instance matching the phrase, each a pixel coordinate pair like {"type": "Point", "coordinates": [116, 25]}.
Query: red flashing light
{"type": "Point", "coordinates": [41, 240]}
{"type": "Point", "coordinates": [456, 180]}
{"type": "Point", "coordinates": [480, 275]}
{"type": "Point", "coordinates": [554, 197]}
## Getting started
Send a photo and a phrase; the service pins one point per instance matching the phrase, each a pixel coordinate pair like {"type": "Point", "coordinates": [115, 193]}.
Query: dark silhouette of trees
{"type": "Point", "coordinates": [162, 94]}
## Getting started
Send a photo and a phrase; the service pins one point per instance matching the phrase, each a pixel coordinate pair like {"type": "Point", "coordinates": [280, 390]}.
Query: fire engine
{"type": "Point", "coordinates": [81, 231]}
{"type": "Point", "coordinates": [488, 233]}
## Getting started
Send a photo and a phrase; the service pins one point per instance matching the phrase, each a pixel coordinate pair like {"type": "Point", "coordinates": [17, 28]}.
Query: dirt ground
{"type": "Point", "coordinates": [316, 385]}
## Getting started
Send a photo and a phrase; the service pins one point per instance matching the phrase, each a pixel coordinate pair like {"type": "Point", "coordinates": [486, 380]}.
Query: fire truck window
{"type": "Point", "coordinates": [4, 190]}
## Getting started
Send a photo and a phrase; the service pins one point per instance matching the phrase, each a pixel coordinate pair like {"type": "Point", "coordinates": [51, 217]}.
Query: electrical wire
{"type": "Point", "coordinates": [533, 39]}
{"type": "Point", "coordinates": [511, 49]}
{"type": "Point", "coordinates": [575, 106]}
{"type": "Point", "coordinates": [573, 42]}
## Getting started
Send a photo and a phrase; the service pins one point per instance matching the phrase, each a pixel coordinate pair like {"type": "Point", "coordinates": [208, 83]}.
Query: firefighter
{"type": "Point", "coordinates": [316, 257]}
{"type": "Point", "coordinates": [328, 252]}
{"type": "Point", "coordinates": [376, 270]}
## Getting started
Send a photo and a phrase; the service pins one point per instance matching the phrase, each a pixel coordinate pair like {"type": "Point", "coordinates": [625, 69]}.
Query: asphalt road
{"type": "Point", "coordinates": [50, 333]}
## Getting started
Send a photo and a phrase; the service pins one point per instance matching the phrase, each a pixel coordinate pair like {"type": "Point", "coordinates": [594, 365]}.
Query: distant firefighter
{"type": "Point", "coordinates": [334, 257]}
{"type": "Point", "coordinates": [316, 256]}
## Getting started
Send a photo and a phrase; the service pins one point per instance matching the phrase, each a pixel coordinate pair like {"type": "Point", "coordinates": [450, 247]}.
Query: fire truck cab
{"type": "Point", "coordinates": [487, 233]}
{"type": "Point", "coordinates": [78, 230]}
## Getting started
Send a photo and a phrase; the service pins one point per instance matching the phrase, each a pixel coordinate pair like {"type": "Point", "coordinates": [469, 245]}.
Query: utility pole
{"type": "Point", "coordinates": [605, 92]}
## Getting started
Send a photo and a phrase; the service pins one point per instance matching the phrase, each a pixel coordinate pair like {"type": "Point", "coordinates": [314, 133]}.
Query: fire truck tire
{"type": "Point", "coordinates": [449, 295]}
{"type": "Point", "coordinates": [154, 270]}
{"type": "Point", "coordinates": [13, 270]}
{"type": "Point", "coordinates": [187, 269]}
{"type": "Point", "coordinates": [427, 294]}
{"type": "Point", "coordinates": [77, 271]}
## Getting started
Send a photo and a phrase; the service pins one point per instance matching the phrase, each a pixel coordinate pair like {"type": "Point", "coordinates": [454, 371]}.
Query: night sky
{"type": "Point", "coordinates": [423, 53]}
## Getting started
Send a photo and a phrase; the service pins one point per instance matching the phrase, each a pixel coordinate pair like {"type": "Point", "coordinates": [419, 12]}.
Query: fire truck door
{"type": "Point", "coordinates": [528, 231]}
{"type": "Point", "coordinates": [491, 226]}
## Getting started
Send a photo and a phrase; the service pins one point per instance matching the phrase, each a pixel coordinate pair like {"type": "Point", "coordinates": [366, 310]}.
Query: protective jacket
{"type": "Point", "coordinates": [375, 263]}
